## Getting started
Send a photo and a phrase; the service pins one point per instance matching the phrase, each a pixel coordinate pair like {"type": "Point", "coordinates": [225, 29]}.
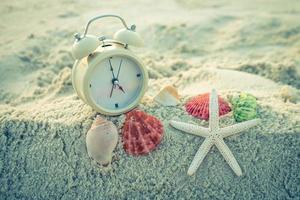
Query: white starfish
{"type": "Point", "coordinates": [214, 135]}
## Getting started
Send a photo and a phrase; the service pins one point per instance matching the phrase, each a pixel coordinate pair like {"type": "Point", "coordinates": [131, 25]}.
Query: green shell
{"type": "Point", "coordinates": [244, 107]}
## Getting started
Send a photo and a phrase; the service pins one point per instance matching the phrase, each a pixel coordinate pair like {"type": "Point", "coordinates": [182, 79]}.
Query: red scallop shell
{"type": "Point", "coordinates": [198, 106]}
{"type": "Point", "coordinates": [141, 133]}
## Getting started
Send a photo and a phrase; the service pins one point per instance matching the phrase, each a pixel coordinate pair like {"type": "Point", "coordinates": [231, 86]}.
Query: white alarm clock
{"type": "Point", "coordinates": [107, 75]}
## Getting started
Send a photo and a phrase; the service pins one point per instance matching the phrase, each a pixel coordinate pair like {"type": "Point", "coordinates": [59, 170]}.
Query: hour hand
{"type": "Point", "coordinates": [121, 88]}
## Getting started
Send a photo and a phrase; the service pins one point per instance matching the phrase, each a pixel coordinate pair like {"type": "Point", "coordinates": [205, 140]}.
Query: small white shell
{"type": "Point", "coordinates": [289, 94]}
{"type": "Point", "coordinates": [168, 96]}
{"type": "Point", "coordinates": [101, 140]}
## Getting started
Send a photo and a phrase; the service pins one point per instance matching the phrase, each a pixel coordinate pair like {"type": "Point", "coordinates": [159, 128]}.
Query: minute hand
{"type": "Point", "coordinates": [111, 69]}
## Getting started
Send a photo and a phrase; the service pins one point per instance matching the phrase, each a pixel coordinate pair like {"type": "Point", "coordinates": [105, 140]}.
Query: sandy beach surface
{"type": "Point", "coordinates": [233, 46]}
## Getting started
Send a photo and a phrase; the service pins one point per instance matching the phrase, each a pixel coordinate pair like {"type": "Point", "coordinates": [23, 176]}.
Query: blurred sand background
{"type": "Point", "coordinates": [233, 46]}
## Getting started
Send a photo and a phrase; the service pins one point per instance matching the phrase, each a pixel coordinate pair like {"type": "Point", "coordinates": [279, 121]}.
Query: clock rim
{"type": "Point", "coordinates": [74, 81]}
{"type": "Point", "coordinates": [98, 57]}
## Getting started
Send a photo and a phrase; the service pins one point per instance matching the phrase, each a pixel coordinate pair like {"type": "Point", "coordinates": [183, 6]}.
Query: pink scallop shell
{"type": "Point", "coordinates": [141, 133]}
{"type": "Point", "coordinates": [198, 106]}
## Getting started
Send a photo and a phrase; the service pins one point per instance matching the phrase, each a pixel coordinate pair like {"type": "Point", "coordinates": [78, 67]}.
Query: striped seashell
{"type": "Point", "coordinates": [198, 106]}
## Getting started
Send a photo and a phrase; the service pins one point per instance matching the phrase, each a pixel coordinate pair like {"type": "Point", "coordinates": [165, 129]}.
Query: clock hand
{"type": "Point", "coordinates": [112, 89]}
{"type": "Point", "coordinates": [121, 88]}
{"type": "Point", "coordinates": [119, 68]}
{"type": "Point", "coordinates": [111, 69]}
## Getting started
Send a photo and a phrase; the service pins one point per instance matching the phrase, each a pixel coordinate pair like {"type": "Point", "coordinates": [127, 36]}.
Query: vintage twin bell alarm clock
{"type": "Point", "coordinates": [106, 74]}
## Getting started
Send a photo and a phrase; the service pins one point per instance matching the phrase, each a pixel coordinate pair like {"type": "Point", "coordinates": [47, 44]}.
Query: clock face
{"type": "Point", "coordinates": [116, 82]}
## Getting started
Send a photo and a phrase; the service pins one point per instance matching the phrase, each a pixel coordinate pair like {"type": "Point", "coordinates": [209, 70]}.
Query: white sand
{"type": "Point", "coordinates": [232, 46]}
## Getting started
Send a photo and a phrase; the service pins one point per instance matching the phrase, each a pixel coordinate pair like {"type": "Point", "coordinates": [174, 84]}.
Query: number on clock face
{"type": "Point", "coordinates": [116, 82]}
